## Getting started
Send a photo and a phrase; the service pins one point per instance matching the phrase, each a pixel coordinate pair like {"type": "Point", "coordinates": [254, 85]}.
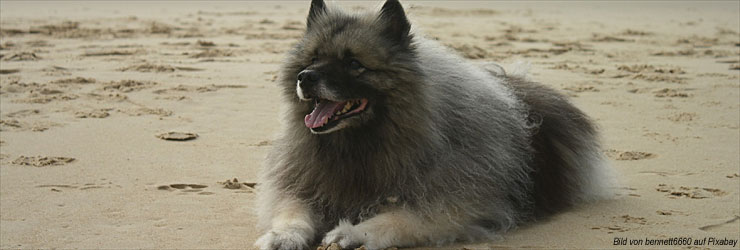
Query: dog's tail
{"type": "Point", "coordinates": [569, 166]}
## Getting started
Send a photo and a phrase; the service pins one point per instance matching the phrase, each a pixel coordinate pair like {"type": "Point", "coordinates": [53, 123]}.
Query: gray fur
{"type": "Point", "coordinates": [453, 143]}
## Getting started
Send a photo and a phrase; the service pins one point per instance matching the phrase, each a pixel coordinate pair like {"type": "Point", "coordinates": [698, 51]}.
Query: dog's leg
{"type": "Point", "coordinates": [395, 228]}
{"type": "Point", "coordinates": [292, 227]}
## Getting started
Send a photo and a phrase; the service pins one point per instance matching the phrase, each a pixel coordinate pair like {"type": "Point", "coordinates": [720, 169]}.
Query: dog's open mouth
{"type": "Point", "coordinates": [327, 114]}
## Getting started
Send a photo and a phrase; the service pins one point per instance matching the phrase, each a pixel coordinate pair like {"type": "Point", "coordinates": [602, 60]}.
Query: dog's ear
{"type": "Point", "coordinates": [317, 8]}
{"type": "Point", "coordinates": [397, 27]}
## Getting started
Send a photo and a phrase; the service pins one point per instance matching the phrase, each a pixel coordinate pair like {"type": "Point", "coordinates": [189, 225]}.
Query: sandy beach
{"type": "Point", "coordinates": [89, 91]}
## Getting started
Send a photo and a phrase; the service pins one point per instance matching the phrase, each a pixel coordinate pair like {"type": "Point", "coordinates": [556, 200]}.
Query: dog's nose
{"type": "Point", "coordinates": [308, 78]}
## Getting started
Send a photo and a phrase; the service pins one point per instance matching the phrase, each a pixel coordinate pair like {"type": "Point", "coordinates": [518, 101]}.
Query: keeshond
{"type": "Point", "coordinates": [392, 140]}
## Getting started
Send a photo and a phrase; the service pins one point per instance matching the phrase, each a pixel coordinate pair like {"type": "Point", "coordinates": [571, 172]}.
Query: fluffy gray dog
{"type": "Point", "coordinates": [392, 140]}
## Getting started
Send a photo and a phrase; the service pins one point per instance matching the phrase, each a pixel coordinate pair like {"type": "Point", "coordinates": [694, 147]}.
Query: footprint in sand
{"type": "Point", "coordinates": [682, 117]}
{"type": "Point", "coordinates": [56, 71]}
{"type": "Point", "coordinates": [15, 86]}
{"type": "Point", "coordinates": [76, 80]}
{"type": "Point", "coordinates": [239, 187]}
{"type": "Point", "coordinates": [172, 98]}
{"type": "Point", "coordinates": [204, 43]}
{"type": "Point", "coordinates": [97, 186]}
{"type": "Point", "coordinates": [606, 38]}
{"type": "Point", "coordinates": [177, 136]}
{"type": "Point", "coordinates": [109, 97]}
{"type": "Point", "coordinates": [17, 125]}
{"type": "Point", "coordinates": [293, 25]}
{"type": "Point", "coordinates": [23, 113]}
{"type": "Point", "coordinates": [146, 111]}
{"type": "Point", "coordinates": [176, 43]}
{"type": "Point", "coordinates": [631, 32]}
{"type": "Point", "coordinates": [100, 113]}
{"type": "Point", "coordinates": [666, 92]}
{"type": "Point", "coordinates": [10, 124]}
{"type": "Point", "coordinates": [9, 71]}
{"type": "Point", "coordinates": [651, 73]}
{"type": "Point", "coordinates": [23, 56]}
{"type": "Point", "coordinates": [262, 35]}
{"type": "Point", "coordinates": [578, 68]}
{"type": "Point", "coordinates": [39, 43]}
{"type": "Point", "coordinates": [188, 69]}
{"type": "Point", "coordinates": [660, 137]}
{"type": "Point", "coordinates": [113, 53]}
{"type": "Point", "coordinates": [200, 89]}
{"type": "Point", "coordinates": [698, 41]}
{"type": "Point", "coordinates": [623, 223]}
{"type": "Point", "coordinates": [86, 186]}
{"type": "Point", "coordinates": [57, 187]}
{"type": "Point", "coordinates": [210, 53]}
{"type": "Point", "coordinates": [632, 220]}
{"type": "Point", "coordinates": [671, 212]}
{"type": "Point", "coordinates": [689, 192]}
{"type": "Point", "coordinates": [126, 86]}
{"type": "Point", "coordinates": [582, 88]}
{"type": "Point", "coordinates": [146, 67]}
{"type": "Point", "coordinates": [660, 78]}
{"type": "Point", "coordinates": [668, 173]}
{"type": "Point", "coordinates": [39, 94]}
{"type": "Point", "coordinates": [628, 155]}
{"type": "Point", "coordinates": [42, 161]}
{"type": "Point", "coordinates": [646, 68]}
{"type": "Point", "coordinates": [185, 188]}
{"type": "Point", "coordinates": [242, 187]}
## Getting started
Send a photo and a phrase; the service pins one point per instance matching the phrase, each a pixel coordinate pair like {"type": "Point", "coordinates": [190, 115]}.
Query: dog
{"type": "Point", "coordinates": [392, 140]}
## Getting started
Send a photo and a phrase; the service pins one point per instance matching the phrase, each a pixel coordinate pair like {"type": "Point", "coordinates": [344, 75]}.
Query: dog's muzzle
{"type": "Point", "coordinates": [307, 80]}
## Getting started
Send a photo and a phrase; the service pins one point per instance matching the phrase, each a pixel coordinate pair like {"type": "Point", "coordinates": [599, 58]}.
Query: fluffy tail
{"type": "Point", "coordinates": [569, 166]}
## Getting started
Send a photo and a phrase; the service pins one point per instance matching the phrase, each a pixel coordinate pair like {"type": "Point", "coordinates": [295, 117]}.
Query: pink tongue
{"type": "Point", "coordinates": [322, 112]}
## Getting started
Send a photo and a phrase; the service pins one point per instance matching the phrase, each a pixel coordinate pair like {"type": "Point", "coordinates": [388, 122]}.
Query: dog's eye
{"type": "Point", "coordinates": [355, 65]}
{"type": "Point", "coordinates": [313, 60]}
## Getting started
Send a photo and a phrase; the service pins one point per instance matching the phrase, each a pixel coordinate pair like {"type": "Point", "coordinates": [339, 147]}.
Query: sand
{"type": "Point", "coordinates": [86, 88]}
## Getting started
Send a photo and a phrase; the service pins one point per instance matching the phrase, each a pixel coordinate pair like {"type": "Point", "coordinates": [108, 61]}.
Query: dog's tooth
{"type": "Point", "coordinates": [347, 107]}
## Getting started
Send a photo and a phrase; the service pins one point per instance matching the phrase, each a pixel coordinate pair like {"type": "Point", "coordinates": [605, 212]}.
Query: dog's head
{"type": "Point", "coordinates": [347, 65]}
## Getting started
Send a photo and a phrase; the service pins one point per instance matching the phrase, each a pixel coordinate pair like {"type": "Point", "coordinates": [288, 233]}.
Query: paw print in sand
{"type": "Point", "coordinates": [186, 188]}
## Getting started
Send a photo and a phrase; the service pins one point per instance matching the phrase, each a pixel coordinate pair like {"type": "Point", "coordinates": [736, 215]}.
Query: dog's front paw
{"type": "Point", "coordinates": [282, 240]}
{"type": "Point", "coordinates": [345, 234]}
